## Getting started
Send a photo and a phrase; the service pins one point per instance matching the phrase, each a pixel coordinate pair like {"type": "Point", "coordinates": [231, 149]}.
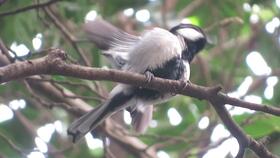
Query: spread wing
{"type": "Point", "coordinates": [116, 43]}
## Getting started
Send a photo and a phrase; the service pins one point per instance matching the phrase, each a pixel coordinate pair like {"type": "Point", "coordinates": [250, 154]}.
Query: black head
{"type": "Point", "coordinates": [193, 37]}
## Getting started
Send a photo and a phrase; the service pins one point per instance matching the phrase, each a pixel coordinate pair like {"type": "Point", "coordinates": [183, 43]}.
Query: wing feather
{"type": "Point", "coordinates": [156, 47]}
{"type": "Point", "coordinates": [116, 43]}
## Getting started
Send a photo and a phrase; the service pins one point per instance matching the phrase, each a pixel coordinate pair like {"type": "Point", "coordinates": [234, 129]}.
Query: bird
{"type": "Point", "coordinates": [155, 53]}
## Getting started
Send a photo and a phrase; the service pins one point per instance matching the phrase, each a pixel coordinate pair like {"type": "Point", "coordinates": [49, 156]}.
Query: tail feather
{"type": "Point", "coordinates": [141, 117]}
{"type": "Point", "coordinates": [92, 119]}
{"type": "Point", "coordinates": [87, 122]}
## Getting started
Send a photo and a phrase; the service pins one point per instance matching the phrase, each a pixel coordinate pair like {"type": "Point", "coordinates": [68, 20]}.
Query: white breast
{"type": "Point", "coordinates": [187, 71]}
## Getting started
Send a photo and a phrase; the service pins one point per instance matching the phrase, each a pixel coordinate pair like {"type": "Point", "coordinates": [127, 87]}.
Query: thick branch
{"type": "Point", "coordinates": [78, 107]}
{"type": "Point", "coordinates": [243, 139]}
{"type": "Point", "coordinates": [55, 64]}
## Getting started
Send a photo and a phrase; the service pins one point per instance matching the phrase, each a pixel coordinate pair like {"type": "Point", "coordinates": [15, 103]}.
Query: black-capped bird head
{"type": "Point", "coordinates": [192, 37]}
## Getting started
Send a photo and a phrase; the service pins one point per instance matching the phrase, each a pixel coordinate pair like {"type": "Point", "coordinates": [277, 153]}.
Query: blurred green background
{"type": "Point", "coordinates": [243, 56]}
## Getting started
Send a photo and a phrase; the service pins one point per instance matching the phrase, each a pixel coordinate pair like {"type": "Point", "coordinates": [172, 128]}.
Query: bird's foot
{"type": "Point", "coordinates": [149, 76]}
{"type": "Point", "coordinates": [183, 84]}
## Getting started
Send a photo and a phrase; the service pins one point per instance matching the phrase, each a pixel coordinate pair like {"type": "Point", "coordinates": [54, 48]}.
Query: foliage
{"type": "Point", "coordinates": [222, 62]}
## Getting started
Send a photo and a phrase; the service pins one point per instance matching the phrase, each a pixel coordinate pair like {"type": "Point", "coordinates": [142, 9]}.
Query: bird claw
{"type": "Point", "coordinates": [149, 76]}
{"type": "Point", "coordinates": [183, 85]}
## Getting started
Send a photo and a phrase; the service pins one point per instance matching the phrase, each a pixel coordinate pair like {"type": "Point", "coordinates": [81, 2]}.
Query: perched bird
{"type": "Point", "coordinates": [157, 52]}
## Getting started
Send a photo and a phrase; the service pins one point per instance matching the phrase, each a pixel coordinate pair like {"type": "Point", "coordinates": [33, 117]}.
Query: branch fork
{"type": "Point", "coordinates": [55, 63]}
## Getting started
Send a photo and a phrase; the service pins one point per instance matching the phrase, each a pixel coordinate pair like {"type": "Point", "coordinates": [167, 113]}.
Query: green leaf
{"type": "Point", "coordinates": [263, 126]}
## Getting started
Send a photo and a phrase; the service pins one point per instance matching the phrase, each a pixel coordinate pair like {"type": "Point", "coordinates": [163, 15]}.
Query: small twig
{"type": "Point", "coordinates": [249, 120]}
{"type": "Point", "coordinates": [27, 8]}
{"type": "Point", "coordinates": [160, 137]}
{"type": "Point", "coordinates": [13, 145]}
{"type": "Point", "coordinates": [203, 150]}
{"type": "Point", "coordinates": [70, 84]}
{"type": "Point", "coordinates": [69, 36]}
{"type": "Point", "coordinates": [171, 141]}
{"type": "Point", "coordinates": [5, 51]}
{"type": "Point", "coordinates": [190, 8]}
{"type": "Point", "coordinates": [204, 66]}
{"type": "Point", "coordinates": [107, 150]}
{"type": "Point", "coordinates": [59, 151]}
{"type": "Point", "coordinates": [49, 104]}
{"type": "Point", "coordinates": [225, 22]}
{"type": "Point", "coordinates": [36, 96]}
{"type": "Point", "coordinates": [137, 149]}
{"type": "Point", "coordinates": [76, 96]}
{"type": "Point", "coordinates": [163, 12]}
{"type": "Point", "coordinates": [58, 81]}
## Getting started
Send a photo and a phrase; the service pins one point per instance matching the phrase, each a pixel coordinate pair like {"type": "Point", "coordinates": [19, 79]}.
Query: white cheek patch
{"type": "Point", "coordinates": [190, 33]}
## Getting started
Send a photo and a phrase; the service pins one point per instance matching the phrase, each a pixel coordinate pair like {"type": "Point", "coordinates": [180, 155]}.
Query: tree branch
{"type": "Point", "coordinates": [13, 145]}
{"type": "Point", "coordinates": [55, 63]}
{"type": "Point", "coordinates": [243, 139]}
{"type": "Point", "coordinates": [190, 8]}
{"type": "Point", "coordinates": [69, 83]}
{"type": "Point", "coordinates": [27, 8]}
{"type": "Point", "coordinates": [78, 107]}
{"type": "Point", "coordinates": [69, 36]}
